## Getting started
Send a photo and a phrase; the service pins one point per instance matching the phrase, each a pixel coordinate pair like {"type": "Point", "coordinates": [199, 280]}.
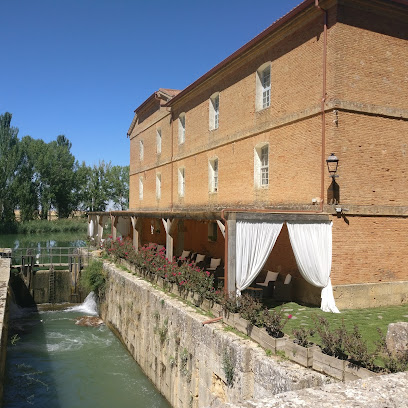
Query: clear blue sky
{"type": "Point", "coordinates": [81, 67]}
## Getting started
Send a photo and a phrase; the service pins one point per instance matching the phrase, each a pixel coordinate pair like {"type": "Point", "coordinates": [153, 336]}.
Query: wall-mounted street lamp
{"type": "Point", "coordinates": [332, 163]}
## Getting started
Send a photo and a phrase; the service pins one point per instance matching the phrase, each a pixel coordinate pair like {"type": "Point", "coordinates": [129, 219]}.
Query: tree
{"type": "Point", "coordinates": [118, 179]}
{"type": "Point", "coordinates": [57, 172]}
{"type": "Point", "coordinates": [9, 160]}
{"type": "Point", "coordinates": [28, 180]}
{"type": "Point", "coordinates": [95, 192]}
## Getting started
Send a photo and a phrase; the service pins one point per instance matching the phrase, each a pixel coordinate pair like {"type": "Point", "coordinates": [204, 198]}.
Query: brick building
{"type": "Point", "coordinates": [249, 140]}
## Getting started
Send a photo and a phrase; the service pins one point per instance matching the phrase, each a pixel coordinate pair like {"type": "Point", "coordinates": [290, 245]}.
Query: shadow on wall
{"type": "Point", "coordinates": [333, 193]}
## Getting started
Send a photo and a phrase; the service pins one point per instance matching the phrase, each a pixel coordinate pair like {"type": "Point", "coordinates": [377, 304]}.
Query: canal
{"type": "Point", "coordinates": [54, 363]}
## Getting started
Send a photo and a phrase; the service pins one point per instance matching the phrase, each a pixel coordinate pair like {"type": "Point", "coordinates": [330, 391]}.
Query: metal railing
{"type": "Point", "coordinates": [57, 256]}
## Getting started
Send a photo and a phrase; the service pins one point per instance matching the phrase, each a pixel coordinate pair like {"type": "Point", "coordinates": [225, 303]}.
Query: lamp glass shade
{"type": "Point", "coordinates": [332, 163]}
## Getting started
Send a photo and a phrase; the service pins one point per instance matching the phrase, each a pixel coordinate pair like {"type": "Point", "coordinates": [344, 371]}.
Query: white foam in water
{"type": "Point", "coordinates": [89, 306]}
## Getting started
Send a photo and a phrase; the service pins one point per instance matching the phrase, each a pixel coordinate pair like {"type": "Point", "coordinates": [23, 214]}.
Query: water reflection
{"type": "Point", "coordinates": [39, 241]}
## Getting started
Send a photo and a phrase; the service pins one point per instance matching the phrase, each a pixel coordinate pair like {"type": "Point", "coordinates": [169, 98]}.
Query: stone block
{"type": "Point", "coordinates": [397, 337]}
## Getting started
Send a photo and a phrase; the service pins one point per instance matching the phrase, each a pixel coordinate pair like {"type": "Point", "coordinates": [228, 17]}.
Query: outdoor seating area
{"type": "Point", "coordinates": [268, 286]}
{"type": "Point", "coordinates": [274, 287]}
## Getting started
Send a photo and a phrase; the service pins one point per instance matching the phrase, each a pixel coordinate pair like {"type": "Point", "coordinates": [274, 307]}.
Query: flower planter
{"type": "Point", "coordinates": [175, 289]}
{"type": "Point", "coordinates": [160, 282]}
{"type": "Point", "coordinates": [228, 318]}
{"type": "Point", "coordinates": [328, 365]}
{"type": "Point", "coordinates": [194, 298]}
{"type": "Point", "coordinates": [271, 343]}
{"type": "Point", "coordinates": [254, 332]}
{"type": "Point", "coordinates": [206, 305]}
{"type": "Point", "coordinates": [354, 372]}
{"type": "Point", "coordinates": [240, 323]}
{"type": "Point", "coordinates": [216, 309]}
{"type": "Point", "coordinates": [299, 354]}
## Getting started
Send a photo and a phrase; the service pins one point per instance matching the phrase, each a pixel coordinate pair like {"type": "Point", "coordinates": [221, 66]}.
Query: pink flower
{"type": "Point", "coordinates": [289, 316]}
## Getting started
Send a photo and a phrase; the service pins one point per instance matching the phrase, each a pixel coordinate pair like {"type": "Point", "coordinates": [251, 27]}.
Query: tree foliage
{"type": "Point", "coordinates": [9, 160]}
{"type": "Point", "coordinates": [36, 177]}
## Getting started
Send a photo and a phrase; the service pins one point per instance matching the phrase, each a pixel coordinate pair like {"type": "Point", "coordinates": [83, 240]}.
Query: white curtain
{"type": "Point", "coordinates": [312, 246]}
{"type": "Point", "coordinates": [254, 242]}
{"type": "Point", "coordinates": [90, 228]}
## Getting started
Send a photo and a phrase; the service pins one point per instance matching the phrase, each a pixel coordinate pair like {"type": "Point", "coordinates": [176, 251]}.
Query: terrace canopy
{"type": "Point", "coordinates": [311, 242]}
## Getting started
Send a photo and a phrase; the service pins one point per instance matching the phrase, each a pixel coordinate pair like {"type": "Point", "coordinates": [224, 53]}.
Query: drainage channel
{"type": "Point", "coordinates": [53, 362]}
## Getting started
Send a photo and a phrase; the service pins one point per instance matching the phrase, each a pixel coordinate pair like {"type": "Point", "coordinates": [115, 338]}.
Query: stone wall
{"type": "Point", "coordinates": [381, 392]}
{"type": "Point", "coordinates": [190, 363]}
{"type": "Point", "coordinates": [4, 281]}
{"type": "Point", "coordinates": [40, 288]}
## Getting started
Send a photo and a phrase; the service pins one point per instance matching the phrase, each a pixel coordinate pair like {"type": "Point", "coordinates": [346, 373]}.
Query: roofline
{"type": "Point", "coordinates": [278, 23]}
{"type": "Point", "coordinates": [298, 9]}
{"type": "Point", "coordinates": [147, 101]}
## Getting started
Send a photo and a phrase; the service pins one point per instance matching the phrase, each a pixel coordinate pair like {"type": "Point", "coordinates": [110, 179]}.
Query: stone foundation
{"type": "Point", "coordinates": [4, 316]}
{"type": "Point", "coordinates": [369, 295]}
{"type": "Point", "coordinates": [380, 392]}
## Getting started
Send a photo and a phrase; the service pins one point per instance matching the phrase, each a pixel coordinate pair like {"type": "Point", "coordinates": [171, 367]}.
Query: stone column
{"type": "Point", "coordinates": [136, 229]}
{"type": "Point", "coordinates": [169, 239]}
{"type": "Point", "coordinates": [114, 222]}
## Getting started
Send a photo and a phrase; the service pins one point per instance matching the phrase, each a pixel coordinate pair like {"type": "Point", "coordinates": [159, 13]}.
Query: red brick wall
{"type": "Point", "coordinates": [370, 249]}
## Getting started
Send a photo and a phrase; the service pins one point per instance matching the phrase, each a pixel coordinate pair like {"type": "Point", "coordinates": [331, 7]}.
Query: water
{"type": "Point", "coordinates": [58, 364]}
{"type": "Point", "coordinates": [38, 241]}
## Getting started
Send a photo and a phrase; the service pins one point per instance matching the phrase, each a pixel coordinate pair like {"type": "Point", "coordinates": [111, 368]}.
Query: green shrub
{"type": "Point", "coordinates": [333, 341]}
{"type": "Point", "coordinates": [251, 309]}
{"type": "Point", "coordinates": [357, 350]}
{"type": "Point", "coordinates": [302, 336]}
{"type": "Point", "coordinates": [94, 278]}
{"type": "Point", "coordinates": [274, 321]}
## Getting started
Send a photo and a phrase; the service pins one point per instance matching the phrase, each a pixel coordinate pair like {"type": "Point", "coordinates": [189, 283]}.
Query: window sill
{"type": "Point", "coordinates": [262, 110]}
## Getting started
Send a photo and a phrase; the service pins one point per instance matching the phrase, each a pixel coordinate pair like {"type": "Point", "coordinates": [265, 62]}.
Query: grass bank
{"type": "Point", "coordinates": [367, 320]}
{"type": "Point", "coordinates": [44, 226]}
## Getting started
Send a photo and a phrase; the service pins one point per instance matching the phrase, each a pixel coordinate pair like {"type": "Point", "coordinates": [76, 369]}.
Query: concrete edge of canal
{"type": "Point", "coordinates": [4, 316]}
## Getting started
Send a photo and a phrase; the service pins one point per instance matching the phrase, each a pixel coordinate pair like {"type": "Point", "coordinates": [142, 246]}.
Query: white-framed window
{"type": "Point", "coordinates": [158, 140]}
{"type": "Point", "coordinates": [181, 181]}
{"type": "Point", "coordinates": [182, 128]}
{"type": "Point", "coordinates": [213, 175]}
{"type": "Point", "coordinates": [141, 150]}
{"type": "Point", "coordinates": [261, 165]}
{"type": "Point", "coordinates": [140, 188]}
{"type": "Point", "coordinates": [263, 86]}
{"type": "Point", "coordinates": [158, 186]}
{"type": "Point", "coordinates": [214, 111]}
